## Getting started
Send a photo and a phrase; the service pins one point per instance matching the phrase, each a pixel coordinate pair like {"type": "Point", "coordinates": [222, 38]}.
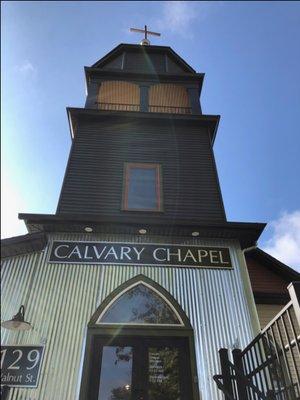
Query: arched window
{"type": "Point", "coordinates": [119, 95]}
{"type": "Point", "coordinates": [169, 98]}
{"type": "Point", "coordinates": [140, 304]}
{"type": "Point", "coordinates": [140, 301]}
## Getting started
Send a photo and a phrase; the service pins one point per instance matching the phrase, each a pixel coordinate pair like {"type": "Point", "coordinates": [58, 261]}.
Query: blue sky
{"type": "Point", "coordinates": [250, 54]}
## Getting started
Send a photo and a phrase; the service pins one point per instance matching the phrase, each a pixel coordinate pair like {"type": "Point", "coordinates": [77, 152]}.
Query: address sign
{"type": "Point", "coordinates": [20, 365]}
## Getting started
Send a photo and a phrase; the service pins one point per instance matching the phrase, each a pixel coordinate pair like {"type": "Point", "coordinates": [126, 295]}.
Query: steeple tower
{"type": "Point", "coordinates": [142, 135]}
{"type": "Point", "coordinates": [138, 279]}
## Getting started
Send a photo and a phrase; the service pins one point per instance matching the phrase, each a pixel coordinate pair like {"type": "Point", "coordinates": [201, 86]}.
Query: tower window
{"type": "Point", "coordinates": [169, 98]}
{"type": "Point", "coordinates": [142, 187]}
{"type": "Point", "coordinates": [119, 96]}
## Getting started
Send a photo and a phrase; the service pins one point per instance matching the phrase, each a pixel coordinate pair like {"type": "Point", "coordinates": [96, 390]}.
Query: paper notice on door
{"type": "Point", "coordinates": [163, 374]}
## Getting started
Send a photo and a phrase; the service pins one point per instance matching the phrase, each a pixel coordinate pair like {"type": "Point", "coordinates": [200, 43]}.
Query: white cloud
{"type": "Point", "coordinates": [26, 68]}
{"type": "Point", "coordinates": [11, 205]}
{"type": "Point", "coordinates": [285, 241]}
{"type": "Point", "coordinates": [178, 16]}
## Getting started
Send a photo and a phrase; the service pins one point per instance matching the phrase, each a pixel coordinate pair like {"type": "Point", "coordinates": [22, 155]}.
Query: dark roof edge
{"type": "Point", "coordinates": [274, 264]}
{"type": "Point", "coordinates": [23, 244]}
{"type": "Point", "coordinates": [213, 120]}
{"type": "Point", "coordinates": [246, 232]}
{"type": "Point", "coordinates": [150, 115]}
{"type": "Point", "coordinates": [139, 47]}
{"type": "Point", "coordinates": [197, 76]}
{"type": "Point", "coordinates": [154, 78]}
{"type": "Point", "coordinates": [92, 217]}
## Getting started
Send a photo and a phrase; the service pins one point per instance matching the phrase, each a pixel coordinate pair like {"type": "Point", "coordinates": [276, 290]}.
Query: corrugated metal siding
{"type": "Point", "coordinates": [63, 298]}
{"type": "Point", "coordinates": [94, 177]}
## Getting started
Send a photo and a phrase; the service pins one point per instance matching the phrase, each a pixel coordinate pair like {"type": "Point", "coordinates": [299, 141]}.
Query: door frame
{"type": "Point", "coordinates": [153, 331]}
{"type": "Point", "coordinates": [140, 361]}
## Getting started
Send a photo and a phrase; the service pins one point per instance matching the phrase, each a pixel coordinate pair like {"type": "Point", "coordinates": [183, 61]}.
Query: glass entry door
{"type": "Point", "coordinates": [139, 368]}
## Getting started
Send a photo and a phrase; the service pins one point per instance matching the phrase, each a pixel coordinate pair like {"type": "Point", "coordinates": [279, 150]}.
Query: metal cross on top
{"type": "Point", "coordinates": [146, 32]}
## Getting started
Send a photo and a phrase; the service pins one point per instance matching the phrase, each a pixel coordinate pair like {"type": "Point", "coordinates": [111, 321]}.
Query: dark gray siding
{"type": "Point", "coordinates": [174, 68]}
{"type": "Point", "coordinates": [144, 54]}
{"type": "Point", "coordinates": [151, 62]}
{"type": "Point", "coordinates": [142, 62]}
{"type": "Point", "coordinates": [115, 63]}
{"type": "Point", "coordinates": [94, 177]}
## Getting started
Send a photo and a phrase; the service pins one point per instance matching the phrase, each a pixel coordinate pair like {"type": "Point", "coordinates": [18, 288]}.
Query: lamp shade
{"type": "Point", "coordinates": [17, 323]}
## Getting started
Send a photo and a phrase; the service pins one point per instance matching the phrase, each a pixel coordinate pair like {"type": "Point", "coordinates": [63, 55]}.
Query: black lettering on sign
{"type": "Point", "coordinates": [140, 254]}
{"type": "Point", "coordinates": [20, 365]}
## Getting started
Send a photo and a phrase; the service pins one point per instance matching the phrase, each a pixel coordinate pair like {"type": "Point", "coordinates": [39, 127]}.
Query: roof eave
{"type": "Point", "coordinates": [246, 233]}
{"type": "Point", "coordinates": [24, 244]}
{"type": "Point", "coordinates": [121, 46]}
{"type": "Point", "coordinates": [143, 75]}
{"type": "Point", "coordinates": [274, 264]}
{"type": "Point", "coordinates": [210, 120]}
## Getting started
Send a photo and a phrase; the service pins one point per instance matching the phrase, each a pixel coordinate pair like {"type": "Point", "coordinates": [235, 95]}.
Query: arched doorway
{"type": "Point", "coordinates": [140, 346]}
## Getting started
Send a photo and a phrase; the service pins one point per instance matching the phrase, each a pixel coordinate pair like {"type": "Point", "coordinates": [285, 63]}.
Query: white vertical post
{"type": "Point", "coordinates": [294, 291]}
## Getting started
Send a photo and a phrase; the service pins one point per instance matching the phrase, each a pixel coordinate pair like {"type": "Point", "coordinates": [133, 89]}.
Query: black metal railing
{"type": "Point", "coordinates": [170, 109]}
{"type": "Point", "coordinates": [269, 367]}
{"type": "Point", "coordinates": [233, 382]}
{"type": "Point", "coordinates": [118, 106]}
{"type": "Point", "coordinates": [136, 107]}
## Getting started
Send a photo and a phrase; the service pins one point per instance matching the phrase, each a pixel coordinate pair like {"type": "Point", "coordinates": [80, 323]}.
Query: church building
{"type": "Point", "coordinates": [137, 281]}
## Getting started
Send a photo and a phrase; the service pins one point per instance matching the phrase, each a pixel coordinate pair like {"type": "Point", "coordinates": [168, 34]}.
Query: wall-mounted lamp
{"type": "Point", "coordinates": [17, 323]}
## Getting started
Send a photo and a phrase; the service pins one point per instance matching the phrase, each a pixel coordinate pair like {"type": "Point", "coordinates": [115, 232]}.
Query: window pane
{"type": "Point", "coordinates": [163, 374]}
{"type": "Point", "coordinates": [140, 305]}
{"type": "Point", "coordinates": [116, 373]}
{"type": "Point", "coordinates": [142, 188]}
